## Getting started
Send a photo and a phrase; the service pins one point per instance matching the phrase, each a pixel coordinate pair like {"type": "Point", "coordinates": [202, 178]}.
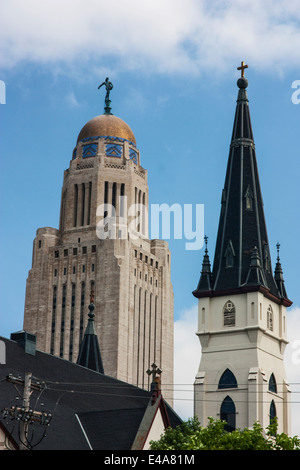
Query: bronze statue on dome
{"type": "Point", "coordinates": [109, 86]}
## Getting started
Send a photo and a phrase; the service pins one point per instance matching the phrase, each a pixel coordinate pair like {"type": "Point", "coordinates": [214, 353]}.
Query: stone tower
{"type": "Point", "coordinates": [102, 245]}
{"type": "Point", "coordinates": [242, 304]}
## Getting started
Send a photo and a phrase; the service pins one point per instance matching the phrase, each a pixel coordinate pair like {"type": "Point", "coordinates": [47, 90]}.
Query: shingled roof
{"type": "Point", "coordinates": [89, 410]}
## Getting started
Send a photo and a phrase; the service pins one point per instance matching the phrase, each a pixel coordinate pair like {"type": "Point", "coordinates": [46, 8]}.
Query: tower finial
{"type": "Point", "coordinates": [205, 241]}
{"type": "Point", "coordinates": [278, 247]}
{"type": "Point", "coordinates": [155, 385]}
{"type": "Point", "coordinates": [109, 87]}
{"type": "Point", "coordinates": [242, 68]}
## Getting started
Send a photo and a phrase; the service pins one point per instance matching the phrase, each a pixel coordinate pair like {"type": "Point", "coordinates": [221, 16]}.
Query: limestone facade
{"type": "Point", "coordinates": [105, 249]}
{"type": "Point", "coordinates": [251, 345]}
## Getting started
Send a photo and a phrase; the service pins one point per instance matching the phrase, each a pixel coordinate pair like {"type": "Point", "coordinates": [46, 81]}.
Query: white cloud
{"type": "Point", "coordinates": [292, 365]}
{"type": "Point", "coordinates": [188, 354]}
{"type": "Point", "coordinates": [71, 100]}
{"type": "Point", "coordinates": [186, 361]}
{"type": "Point", "coordinates": [182, 36]}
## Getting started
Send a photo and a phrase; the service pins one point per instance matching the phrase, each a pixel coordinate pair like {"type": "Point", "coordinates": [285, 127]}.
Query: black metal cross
{"type": "Point", "coordinates": [155, 370]}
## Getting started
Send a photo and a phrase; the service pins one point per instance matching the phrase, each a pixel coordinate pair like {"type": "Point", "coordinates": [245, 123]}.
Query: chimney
{"type": "Point", "coordinates": [26, 340]}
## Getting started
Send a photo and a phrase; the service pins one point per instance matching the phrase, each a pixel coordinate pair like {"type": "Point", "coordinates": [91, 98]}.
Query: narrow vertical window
{"type": "Point", "coordinates": [150, 328]}
{"type": "Point", "coordinates": [89, 204]}
{"type": "Point", "coordinates": [83, 204]}
{"type": "Point", "coordinates": [62, 325]}
{"type": "Point", "coordinates": [53, 323]}
{"type": "Point", "coordinates": [122, 202]}
{"type": "Point", "coordinates": [75, 204]}
{"type": "Point", "coordinates": [143, 216]}
{"type": "Point", "coordinates": [82, 302]}
{"type": "Point", "coordinates": [139, 210]}
{"type": "Point", "coordinates": [203, 315]}
{"type": "Point", "coordinates": [105, 197]}
{"type": "Point", "coordinates": [114, 195]}
{"type": "Point", "coordinates": [138, 334]}
{"type": "Point", "coordinates": [72, 321]}
{"type": "Point", "coordinates": [155, 326]}
{"type": "Point", "coordinates": [144, 339]}
{"type": "Point", "coordinates": [272, 412]}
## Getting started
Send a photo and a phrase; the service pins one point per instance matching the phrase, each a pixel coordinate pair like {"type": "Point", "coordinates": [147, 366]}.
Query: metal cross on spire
{"type": "Point", "coordinates": [242, 68]}
{"type": "Point", "coordinates": [155, 384]}
{"type": "Point", "coordinates": [155, 370]}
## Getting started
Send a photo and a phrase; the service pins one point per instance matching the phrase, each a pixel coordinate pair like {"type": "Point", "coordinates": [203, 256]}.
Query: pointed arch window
{"type": "Point", "coordinates": [272, 411]}
{"type": "Point", "coordinates": [272, 384]}
{"type": "Point", "coordinates": [227, 380]}
{"type": "Point", "coordinates": [270, 318]}
{"type": "Point", "coordinates": [228, 413]}
{"type": "Point", "coordinates": [229, 314]}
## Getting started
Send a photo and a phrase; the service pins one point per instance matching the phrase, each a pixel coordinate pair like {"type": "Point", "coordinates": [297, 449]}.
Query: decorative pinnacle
{"type": "Point", "coordinates": [109, 86]}
{"type": "Point", "coordinates": [205, 241]}
{"type": "Point", "coordinates": [278, 246]}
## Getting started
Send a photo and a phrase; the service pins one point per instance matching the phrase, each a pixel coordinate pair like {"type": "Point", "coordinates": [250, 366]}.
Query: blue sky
{"type": "Point", "coordinates": [173, 66]}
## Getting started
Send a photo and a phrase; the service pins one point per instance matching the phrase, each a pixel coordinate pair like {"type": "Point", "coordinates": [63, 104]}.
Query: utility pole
{"type": "Point", "coordinates": [26, 405]}
{"type": "Point", "coordinates": [24, 414]}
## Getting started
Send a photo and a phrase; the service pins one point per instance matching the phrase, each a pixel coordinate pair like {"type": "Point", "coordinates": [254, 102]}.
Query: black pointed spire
{"type": "Point", "coordinates": [237, 264]}
{"type": "Point", "coordinates": [89, 354]}
{"type": "Point", "coordinates": [205, 278]}
{"type": "Point", "coordinates": [278, 274]}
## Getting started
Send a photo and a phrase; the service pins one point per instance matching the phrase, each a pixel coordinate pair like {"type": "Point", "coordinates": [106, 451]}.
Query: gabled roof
{"type": "Point", "coordinates": [89, 409]}
{"type": "Point", "coordinates": [242, 258]}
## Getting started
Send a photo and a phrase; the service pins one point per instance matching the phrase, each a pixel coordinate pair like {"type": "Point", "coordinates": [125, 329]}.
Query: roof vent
{"type": "Point", "coordinates": [26, 340]}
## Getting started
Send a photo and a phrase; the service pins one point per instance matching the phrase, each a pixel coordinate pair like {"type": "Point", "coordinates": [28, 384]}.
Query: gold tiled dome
{"type": "Point", "coordinates": [106, 125]}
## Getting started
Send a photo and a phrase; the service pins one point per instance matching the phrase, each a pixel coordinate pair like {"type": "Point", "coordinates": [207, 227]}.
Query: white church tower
{"type": "Point", "coordinates": [241, 304]}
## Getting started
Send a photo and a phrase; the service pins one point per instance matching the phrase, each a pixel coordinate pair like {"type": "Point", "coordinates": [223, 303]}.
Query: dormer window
{"type": "Point", "coordinates": [229, 255]}
{"type": "Point", "coordinates": [249, 199]}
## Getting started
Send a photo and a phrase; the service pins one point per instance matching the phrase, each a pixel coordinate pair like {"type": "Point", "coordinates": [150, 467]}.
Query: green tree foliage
{"type": "Point", "coordinates": [191, 436]}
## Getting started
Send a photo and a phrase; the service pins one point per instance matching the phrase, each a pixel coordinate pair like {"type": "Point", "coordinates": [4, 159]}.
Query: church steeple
{"type": "Point", "coordinates": [242, 241]}
{"type": "Point", "coordinates": [241, 304]}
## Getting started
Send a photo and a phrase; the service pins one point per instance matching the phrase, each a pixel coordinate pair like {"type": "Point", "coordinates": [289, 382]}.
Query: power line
{"type": "Point", "coordinates": [24, 415]}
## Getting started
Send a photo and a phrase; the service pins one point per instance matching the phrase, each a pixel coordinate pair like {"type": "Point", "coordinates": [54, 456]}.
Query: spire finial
{"type": "Point", "coordinates": [205, 241]}
{"type": "Point", "coordinates": [109, 87]}
{"type": "Point", "coordinates": [92, 306]}
{"type": "Point", "coordinates": [242, 68]}
{"type": "Point", "coordinates": [155, 385]}
{"type": "Point", "coordinates": [242, 82]}
{"type": "Point", "coordinates": [278, 247]}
